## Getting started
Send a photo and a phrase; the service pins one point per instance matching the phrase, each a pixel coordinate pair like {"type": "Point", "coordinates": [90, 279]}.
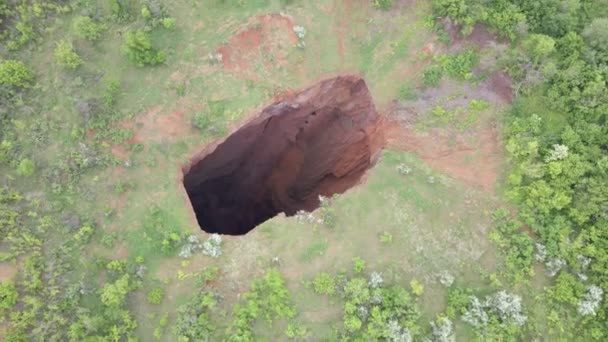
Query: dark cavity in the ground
{"type": "Point", "coordinates": [316, 142]}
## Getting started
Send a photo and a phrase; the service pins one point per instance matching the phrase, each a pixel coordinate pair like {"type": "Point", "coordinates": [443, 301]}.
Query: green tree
{"type": "Point", "coordinates": [15, 74]}
{"type": "Point", "coordinates": [137, 46]}
{"type": "Point", "coordinates": [113, 294]}
{"type": "Point", "coordinates": [596, 36]}
{"type": "Point", "coordinates": [66, 56]}
{"type": "Point", "coordinates": [87, 28]}
{"type": "Point", "coordinates": [538, 46]}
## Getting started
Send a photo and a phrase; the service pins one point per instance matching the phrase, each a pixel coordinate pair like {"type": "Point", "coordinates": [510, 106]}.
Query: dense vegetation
{"type": "Point", "coordinates": [557, 141]}
{"type": "Point", "coordinates": [555, 136]}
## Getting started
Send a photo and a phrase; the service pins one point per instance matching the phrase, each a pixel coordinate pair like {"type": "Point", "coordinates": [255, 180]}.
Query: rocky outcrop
{"type": "Point", "coordinates": [319, 141]}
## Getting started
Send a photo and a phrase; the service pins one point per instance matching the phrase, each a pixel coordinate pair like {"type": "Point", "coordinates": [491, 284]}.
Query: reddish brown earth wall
{"type": "Point", "coordinates": [319, 141]}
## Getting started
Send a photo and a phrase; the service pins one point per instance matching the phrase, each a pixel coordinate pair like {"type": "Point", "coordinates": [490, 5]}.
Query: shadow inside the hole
{"type": "Point", "coordinates": [294, 151]}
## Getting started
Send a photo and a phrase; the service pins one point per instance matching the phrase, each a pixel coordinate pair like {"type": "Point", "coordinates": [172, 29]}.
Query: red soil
{"type": "Point", "coordinates": [475, 161]}
{"type": "Point", "coordinates": [239, 51]}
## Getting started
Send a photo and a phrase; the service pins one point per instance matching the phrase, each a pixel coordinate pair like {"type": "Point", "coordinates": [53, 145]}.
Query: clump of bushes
{"type": "Point", "coordinates": [268, 298]}
{"type": "Point", "coordinates": [8, 298]}
{"type": "Point", "coordinates": [65, 55]}
{"type": "Point", "coordinates": [15, 74]}
{"type": "Point", "coordinates": [324, 284]}
{"type": "Point", "coordinates": [498, 316]}
{"type": "Point", "coordinates": [137, 46]}
{"type": "Point", "coordinates": [87, 28]}
{"type": "Point", "coordinates": [213, 246]}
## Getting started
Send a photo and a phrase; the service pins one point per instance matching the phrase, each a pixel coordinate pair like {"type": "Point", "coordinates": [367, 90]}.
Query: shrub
{"type": "Point", "coordinates": [432, 76]}
{"type": "Point", "coordinates": [137, 46]}
{"type": "Point", "coordinates": [66, 56]}
{"type": "Point", "coordinates": [201, 121]}
{"type": "Point", "coordinates": [328, 214]}
{"type": "Point", "coordinates": [591, 301]}
{"type": "Point", "coordinates": [417, 287]}
{"type": "Point", "coordinates": [459, 66]}
{"type": "Point", "coordinates": [15, 74]}
{"type": "Point", "coordinates": [108, 240]}
{"type": "Point", "coordinates": [26, 167]}
{"type": "Point", "coordinates": [193, 321]}
{"type": "Point", "coordinates": [113, 294]}
{"type": "Point", "coordinates": [383, 4]}
{"type": "Point", "coordinates": [358, 265]}
{"type": "Point", "coordinates": [88, 29]}
{"type": "Point", "coordinates": [168, 23]}
{"type": "Point", "coordinates": [268, 298]}
{"type": "Point", "coordinates": [324, 284]}
{"type": "Point", "coordinates": [442, 330]}
{"type": "Point", "coordinates": [8, 297]}
{"type": "Point", "coordinates": [145, 13]}
{"type": "Point", "coordinates": [213, 246]}
{"type": "Point", "coordinates": [156, 296]}
{"type": "Point", "coordinates": [121, 12]}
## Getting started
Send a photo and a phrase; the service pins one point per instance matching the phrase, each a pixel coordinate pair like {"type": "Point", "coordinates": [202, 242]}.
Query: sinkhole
{"type": "Point", "coordinates": [318, 141]}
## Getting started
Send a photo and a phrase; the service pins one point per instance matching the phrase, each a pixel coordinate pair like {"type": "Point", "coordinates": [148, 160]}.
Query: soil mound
{"type": "Point", "coordinates": [319, 141]}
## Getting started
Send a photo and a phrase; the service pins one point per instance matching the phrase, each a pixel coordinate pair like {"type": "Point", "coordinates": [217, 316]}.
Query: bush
{"type": "Point", "coordinates": [383, 4]}
{"type": "Point", "coordinates": [8, 297]}
{"type": "Point", "coordinates": [417, 287]}
{"type": "Point", "coordinates": [156, 296]}
{"type": "Point", "coordinates": [596, 36]}
{"type": "Point", "coordinates": [15, 74]}
{"type": "Point", "coordinates": [66, 56]}
{"type": "Point", "coordinates": [324, 284]}
{"type": "Point", "coordinates": [213, 246]}
{"type": "Point", "coordinates": [137, 46]}
{"type": "Point", "coordinates": [459, 66]}
{"type": "Point", "coordinates": [432, 76]}
{"type": "Point", "coordinates": [113, 294]}
{"type": "Point", "coordinates": [168, 23]}
{"type": "Point", "coordinates": [269, 298]}
{"type": "Point", "coordinates": [88, 29]}
{"type": "Point", "coordinates": [193, 321]}
{"type": "Point", "coordinates": [201, 121]}
{"type": "Point", "coordinates": [26, 167]}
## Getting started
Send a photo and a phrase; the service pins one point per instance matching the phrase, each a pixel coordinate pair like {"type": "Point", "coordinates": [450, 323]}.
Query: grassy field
{"type": "Point", "coordinates": [119, 170]}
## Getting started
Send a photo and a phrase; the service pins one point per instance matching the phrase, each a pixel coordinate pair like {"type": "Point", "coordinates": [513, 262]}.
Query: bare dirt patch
{"type": "Point", "coordinates": [267, 34]}
{"type": "Point", "coordinates": [473, 155]}
{"type": "Point", "coordinates": [7, 271]}
{"type": "Point", "coordinates": [480, 37]}
{"type": "Point", "coordinates": [155, 125]}
{"type": "Point", "coordinates": [474, 158]}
